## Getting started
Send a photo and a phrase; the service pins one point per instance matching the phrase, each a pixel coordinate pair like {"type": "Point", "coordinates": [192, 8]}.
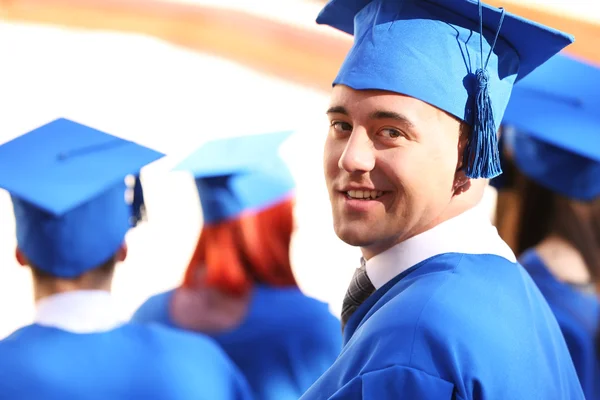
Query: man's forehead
{"type": "Point", "coordinates": [341, 93]}
{"type": "Point", "coordinates": [347, 100]}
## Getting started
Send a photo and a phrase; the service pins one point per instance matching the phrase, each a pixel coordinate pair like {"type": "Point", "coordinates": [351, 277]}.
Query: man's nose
{"type": "Point", "coordinates": [359, 153]}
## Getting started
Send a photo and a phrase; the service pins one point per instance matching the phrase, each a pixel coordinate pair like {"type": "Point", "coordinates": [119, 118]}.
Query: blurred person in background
{"type": "Point", "coordinates": [239, 286]}
{"type": "Point", "coordinates": [69, 195]}
{"type": "Point", "coordinates": [552, 147]}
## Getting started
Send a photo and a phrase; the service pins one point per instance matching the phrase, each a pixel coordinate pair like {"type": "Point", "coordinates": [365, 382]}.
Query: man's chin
{"type": "Point", "coordinates": [371, 241]}
{"type": "Point", "coordinates": [355, 237]}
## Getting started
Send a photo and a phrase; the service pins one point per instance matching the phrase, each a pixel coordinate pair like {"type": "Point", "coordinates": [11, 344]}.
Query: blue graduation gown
{"type": "Point", "coordinates": [285, 343]}
{"type": "Point", "coordinates": [578, 315]}
{"type": "Point", "coordinates": [129, 362]}
{"type": "Point", "coordinates": [455, 326]}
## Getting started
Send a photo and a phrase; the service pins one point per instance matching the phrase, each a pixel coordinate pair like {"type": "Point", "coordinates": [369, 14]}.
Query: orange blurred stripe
{"type": "Point", "coordinates": [290, 52]}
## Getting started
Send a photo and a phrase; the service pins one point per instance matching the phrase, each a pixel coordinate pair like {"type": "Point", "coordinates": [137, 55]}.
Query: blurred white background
{"type": "Point", "coordinates": [170, 99]}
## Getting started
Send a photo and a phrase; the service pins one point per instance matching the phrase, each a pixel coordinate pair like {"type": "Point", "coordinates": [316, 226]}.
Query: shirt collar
{"type": "Point", "coordinates": [469, 233]}
{"type": "Point", "coordinates": [81, 311]}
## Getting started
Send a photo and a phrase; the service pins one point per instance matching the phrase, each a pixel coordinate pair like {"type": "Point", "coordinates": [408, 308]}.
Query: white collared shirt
{"type": "Point", "coordinates": [469, 233]}
{"type": "Point", "coordinates": [81, 311]}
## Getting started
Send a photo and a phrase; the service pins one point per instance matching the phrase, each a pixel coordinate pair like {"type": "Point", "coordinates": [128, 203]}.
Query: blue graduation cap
{"type": "Point", "coordinates": [67, 184]}
{"type": "Point", "coordinates": [239, 174]}
{"type": "Point", "coordinates": [555, 113]}
{"type": "Point", "coordinates": [460, 56]}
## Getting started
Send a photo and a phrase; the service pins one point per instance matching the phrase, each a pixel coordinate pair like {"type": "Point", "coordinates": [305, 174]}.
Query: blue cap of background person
{"type": "Point", "coordinates": [460, 56]}
{"type": "Point", "coordinates": [67, 185]}
{"type": "Point", "coordinates": [555, 113]}
{"type": "Point", "coordinates": [240, 174]}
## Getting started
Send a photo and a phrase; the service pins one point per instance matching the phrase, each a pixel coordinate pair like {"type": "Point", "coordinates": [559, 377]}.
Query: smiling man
{"type": "Point", "coordinates": [439, 308]}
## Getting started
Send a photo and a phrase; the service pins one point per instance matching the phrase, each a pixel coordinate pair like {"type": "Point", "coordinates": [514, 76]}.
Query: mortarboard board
{"type": "Point", "coordinates": [555, 116]}
{"type": "Point", "coordinates": [67, 184]}
{"type": "Point", "coordinates": [461, 56]}
{"type": "Point", "coordinates": [239, 174]}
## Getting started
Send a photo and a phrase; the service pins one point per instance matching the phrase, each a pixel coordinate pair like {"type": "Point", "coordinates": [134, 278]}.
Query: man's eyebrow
{"type": "Point", "coordinates": [392, 115]}
{"type": "Point", "coordinates": [337, 110]}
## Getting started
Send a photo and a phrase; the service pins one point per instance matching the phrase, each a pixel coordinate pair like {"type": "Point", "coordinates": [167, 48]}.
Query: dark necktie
{"type": "Point", "coordinates": [359, 290]}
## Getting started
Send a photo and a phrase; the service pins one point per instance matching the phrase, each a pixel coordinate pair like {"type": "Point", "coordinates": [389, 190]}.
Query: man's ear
{"type": "Point", "coordinates": [463, 140]}
{"type": "Point", "coordinates": [122, 253]}
{"type": "Point", "coordinates": [21, 259]}
{"type": "Point", "coordinates": [461, 182]}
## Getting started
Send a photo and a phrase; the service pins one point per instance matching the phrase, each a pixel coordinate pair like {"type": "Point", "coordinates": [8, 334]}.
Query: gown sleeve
{"type": "Point", "coordinates": [155, 309]}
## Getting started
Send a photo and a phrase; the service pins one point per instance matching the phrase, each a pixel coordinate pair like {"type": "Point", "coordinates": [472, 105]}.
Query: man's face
{"type": "Point", "coordinates": [390, 163]}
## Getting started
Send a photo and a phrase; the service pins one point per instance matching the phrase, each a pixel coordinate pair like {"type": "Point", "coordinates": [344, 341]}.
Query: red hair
{"type": "Point", "coordinates": [254, 248]}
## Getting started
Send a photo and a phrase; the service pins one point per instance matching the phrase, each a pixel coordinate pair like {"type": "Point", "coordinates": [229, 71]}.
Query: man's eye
{"type": "Point", "coordinates": [341, 126]}
{"type": "Point", "coordinates": [391, 133]}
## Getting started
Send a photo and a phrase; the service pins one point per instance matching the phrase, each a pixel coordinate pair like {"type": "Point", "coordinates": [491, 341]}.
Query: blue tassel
{"type": "Point", "coordinates": [482, 156]}
{"type": "Point", "coordinates": [137, 205]}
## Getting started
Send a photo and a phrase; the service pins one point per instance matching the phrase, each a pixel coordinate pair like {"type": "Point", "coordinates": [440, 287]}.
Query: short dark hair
{"type": "Point", "coordinates": [97, 274]}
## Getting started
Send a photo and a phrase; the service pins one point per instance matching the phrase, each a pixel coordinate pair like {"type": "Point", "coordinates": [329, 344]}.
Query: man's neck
{"type": "Point", "coordinates": [42, 290]}
{"type": "Point", "coordinates": [563, 260]}
{"type": "Point", "coordinates": [446, 215]}
{"type": "Point", "coordinates": [469, 233]}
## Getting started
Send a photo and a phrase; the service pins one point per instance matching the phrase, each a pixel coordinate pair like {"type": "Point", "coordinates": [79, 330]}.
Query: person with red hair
{"type": "Point", "coordinates": [239, 286]}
